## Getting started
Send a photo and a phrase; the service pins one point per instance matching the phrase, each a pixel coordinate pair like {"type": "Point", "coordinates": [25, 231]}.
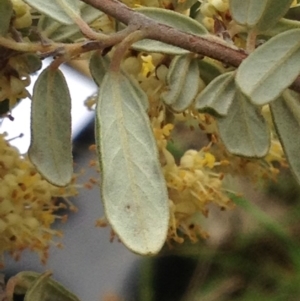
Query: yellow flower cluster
{"type": "Point", "coordinates": [150, 72]}
{"type": "Point", "coordinates": [14, 68]}
{"type": "Point", "coordinates": [27, 205]}
{"type": "Point", "coordinates": [255, 170]}
{"type": "Point", "coordinates": [192, 185]}
{"type": "Point", "coordinates": [198, 179]}
{"type": "Point", "coordinates": [258, 171]}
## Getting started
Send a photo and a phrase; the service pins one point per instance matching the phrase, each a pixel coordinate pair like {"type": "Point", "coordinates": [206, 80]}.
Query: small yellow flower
{"type": "Point", "coordinates": [209, 160]}
{"type": "Point", "coordinates": [147, 65]}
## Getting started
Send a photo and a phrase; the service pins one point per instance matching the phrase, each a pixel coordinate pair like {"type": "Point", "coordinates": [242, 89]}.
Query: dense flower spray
{"type": "Point", "coordinates": [28, 205]}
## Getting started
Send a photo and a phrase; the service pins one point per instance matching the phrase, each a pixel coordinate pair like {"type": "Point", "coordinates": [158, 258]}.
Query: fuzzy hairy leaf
{"type": "Point", "coordinates": [133, 187]}
{"type": "Point", "coordinates": [51, 150]}
{"type": "Point", "coordinates": [183, 83]}
{"type": "Point", "coordinates": [57, 9]}
{"type": "Point", "coordinates": [281, 26]}
{"type": "Point", "coordinates": [286, 116]}
{"type": "Point", "coordinates": [244, 130]}
{"type": "Point", "coordinates": [260, 14]}
{"type": "Point", "coordinates": [60, 32]}
{"type": "Point", "coordinates": [172, 19]}
{"type": "Point", "coordinates": [98, 67]}
{"type": "Point", "coordinates": [218, 95]}
{"type": "Point", "coordinates": [271, 68]}
{"type": "Point", "coordinates": [6, 12]}
{"type": "Point", "coordinates": [209, 69]}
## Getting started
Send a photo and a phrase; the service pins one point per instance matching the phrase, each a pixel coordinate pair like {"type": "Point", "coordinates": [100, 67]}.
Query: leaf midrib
{"type": "Point", "coordinates": [117, 101]}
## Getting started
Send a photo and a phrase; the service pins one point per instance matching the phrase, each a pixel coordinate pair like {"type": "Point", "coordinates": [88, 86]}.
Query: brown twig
{"type": "Point", "coordinates": [206, 46]}
{"type": "Point", "coordinates": [66, 51]}
{"type": "Point", "coordinates": [203, 45]}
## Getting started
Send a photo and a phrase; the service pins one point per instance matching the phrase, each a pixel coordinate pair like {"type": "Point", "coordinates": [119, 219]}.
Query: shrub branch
{"type": "Point", "coordinates": [210, 46]}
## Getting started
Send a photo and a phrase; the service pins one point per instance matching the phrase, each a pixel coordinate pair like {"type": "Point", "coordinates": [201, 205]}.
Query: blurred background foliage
{"type": "Point", "coordinates": [253, 252]}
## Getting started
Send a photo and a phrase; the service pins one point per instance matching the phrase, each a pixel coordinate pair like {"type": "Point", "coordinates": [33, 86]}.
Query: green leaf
{"type": "Point", "coordinates": [57, 9]}
{"type": "Point", "coordinates": [183, 83]}
{"type": "Point", "coordinates": [139, 93]}
{"type": "Point", "coordinates": [98, 67]}
{"type": "Point", "coordinates": [218, 95]}
{"type": "Point", "coordinates": [271, 68]}
{"type": "Point", "coordinates": [281, 26]}
{"type": "Point", "coordinates": [209, 70]}
{"type": "Point", "coordinates": [61, 33]}
{"type": "Point", "coordinates": [51, 150]}
{"type": "Point", "coordinates": [31, 62]}
{"type": "Point", "coordinates": [243, 130]}
{"type": "Point", "coordinates": [172, 19]}
{"type": "Point", "coordinates": [39, 287]}
{"type": "Point", "coordinates": [260, 14]}
{"type": "Point", "coordinates": [6, 12]}
{"type": "Point", "coordinates": [133, 188]}
{"type": "Point", "coordinates": [286, 116]}
{"type": "Point", "coordinates": [293, 12]}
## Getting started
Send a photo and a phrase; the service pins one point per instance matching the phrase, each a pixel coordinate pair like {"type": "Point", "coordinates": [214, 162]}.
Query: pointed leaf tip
{"type": "Point", "coordinates": [217, 96]}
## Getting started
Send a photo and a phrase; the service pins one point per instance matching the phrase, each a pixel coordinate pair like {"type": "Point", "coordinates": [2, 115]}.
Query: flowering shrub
{"type": "Point", "coordinates": [217, 65]}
